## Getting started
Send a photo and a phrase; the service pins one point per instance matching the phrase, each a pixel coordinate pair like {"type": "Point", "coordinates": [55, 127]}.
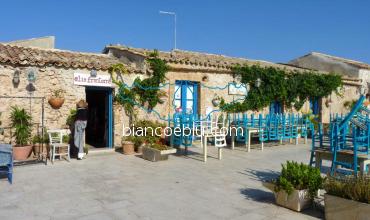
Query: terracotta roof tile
{"type": "Point", "coordinates": [197, 58]}
{"type": "Point", "coordinates": [45, 57]}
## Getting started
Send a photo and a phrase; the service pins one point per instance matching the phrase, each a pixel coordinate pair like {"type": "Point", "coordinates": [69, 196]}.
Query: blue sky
{"type": "Point", "coordinates": [275, 30]}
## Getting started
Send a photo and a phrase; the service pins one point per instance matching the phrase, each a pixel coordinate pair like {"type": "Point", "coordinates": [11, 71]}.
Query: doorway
{"type": "Point", "coordinates": [186, 96]}
{"type": "Point", "coordinates": [99, 130]}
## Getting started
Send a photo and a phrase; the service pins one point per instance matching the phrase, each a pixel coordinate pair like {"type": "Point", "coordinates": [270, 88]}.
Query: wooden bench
{"type": "Point", "coordinates": [343, 156]}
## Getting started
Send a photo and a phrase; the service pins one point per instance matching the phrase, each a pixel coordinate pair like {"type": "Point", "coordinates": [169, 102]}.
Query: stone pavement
{"type": "Point", "coordinates": [116, 186]}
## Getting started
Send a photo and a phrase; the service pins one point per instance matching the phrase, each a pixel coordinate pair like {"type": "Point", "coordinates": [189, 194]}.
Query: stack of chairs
{"type": "Point", "coordinates": [346, 133]}
{"type": "Point", "coordinates": [184, 123]}
{"type": "Point", "coordinates": [352, 133]}
{"type": "Point", "coordinates": [272, 127]}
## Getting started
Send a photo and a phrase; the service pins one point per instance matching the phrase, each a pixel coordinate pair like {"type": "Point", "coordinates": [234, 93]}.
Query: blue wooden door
{"type": "Point", "coordinates": [186, 96]}
{"type": "Point", "coordinates": [276, 108]}
{"type": "Point", "coordinates": [314, 106]}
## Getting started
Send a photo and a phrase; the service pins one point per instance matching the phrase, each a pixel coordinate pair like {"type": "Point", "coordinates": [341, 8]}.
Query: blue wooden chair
{"type": "Point", "coordinates": [6, 161]}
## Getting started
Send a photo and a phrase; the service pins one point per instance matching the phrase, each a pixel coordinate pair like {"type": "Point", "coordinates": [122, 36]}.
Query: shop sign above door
{"type": "Point", "coordinates": [84, 79]}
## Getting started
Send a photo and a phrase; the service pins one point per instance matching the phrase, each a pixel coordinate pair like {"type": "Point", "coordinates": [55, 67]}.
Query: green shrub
{"type": "Point", "coordinates": [150, 138]}
{"type": "Point", "coordinates": [21, 121]}
{"type": "Point", "coordinates": [299, 176]}
{"type": "Point", "coordinates": [65, 138]}
{"type": "Point", "coordinates": [71, 117]}
{"type": "Point", "coordinates": [349, 187]}
{"type": "Point", "coordinates": [159, 146]}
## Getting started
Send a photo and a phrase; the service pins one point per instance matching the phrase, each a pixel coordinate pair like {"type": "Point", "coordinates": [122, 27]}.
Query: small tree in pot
{"type": "Point", "coordinates": [21, 122]}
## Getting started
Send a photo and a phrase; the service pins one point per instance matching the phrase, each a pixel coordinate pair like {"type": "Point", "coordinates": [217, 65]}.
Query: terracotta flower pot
{"type": "Point", "coordinates": [128, 147]}
{"type": "Point", "coordinates": [22, 152]}
{"type": "Point", "coordinates": [56, 102]}
{"type": "Point", "coordinates": [37, 149]}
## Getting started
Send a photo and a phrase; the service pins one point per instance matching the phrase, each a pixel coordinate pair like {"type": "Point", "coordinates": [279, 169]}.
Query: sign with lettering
{"type": "Point", "coordinates": [238, 89]}
{"type": "Point", "coordinates": [84, 79]}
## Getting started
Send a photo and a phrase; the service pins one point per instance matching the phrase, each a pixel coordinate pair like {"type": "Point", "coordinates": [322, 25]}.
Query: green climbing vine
{"type": "Point", "coordinates": [153, 95]}
{"type": "Point", "coordinates": [289, 87]}
{"type": "Point", "coordinates": [146, 91]}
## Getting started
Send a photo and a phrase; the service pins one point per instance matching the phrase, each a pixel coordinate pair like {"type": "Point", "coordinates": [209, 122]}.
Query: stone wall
{"type": "Point", "coordinates": [335, 103]}
{"type": "Point", "coordinates": [51, 78]}
{"type": "Point", "coordinates": [48, 80]}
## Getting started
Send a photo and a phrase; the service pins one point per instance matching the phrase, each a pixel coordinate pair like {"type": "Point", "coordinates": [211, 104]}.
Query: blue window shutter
{"type": "Point", "coordinates": [195, 99]}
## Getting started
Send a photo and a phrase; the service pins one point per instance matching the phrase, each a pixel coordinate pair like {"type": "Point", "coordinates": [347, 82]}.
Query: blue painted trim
{"type": "Point", "coordinates": [195, 98]}
{"type": "Point", "coordinates": [185, 84]}
{"type": "Point", "coordinates": [110, 119]}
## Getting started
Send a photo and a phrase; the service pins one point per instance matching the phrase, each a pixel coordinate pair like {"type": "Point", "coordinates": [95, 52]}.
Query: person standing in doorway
{"type": "Point", "coordinates": [80, 126]}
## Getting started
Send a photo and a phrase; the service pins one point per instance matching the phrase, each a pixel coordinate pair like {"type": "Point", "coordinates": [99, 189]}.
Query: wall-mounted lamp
{"type": "Point", "coordinates": [16, 79]}
{"type": "Point", "coordinates": [93, 73]}
{"type": "Point", "coordinates": [31, 75]}
{"type": "Point", "coordinates": [247, 87]}
{"type": "Point", "coordinates": [258, 82]}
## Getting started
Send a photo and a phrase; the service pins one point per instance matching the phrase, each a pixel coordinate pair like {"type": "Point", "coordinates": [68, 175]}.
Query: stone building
{"type": "Point", "coordinates": [54, 70]}
{"type": "Point", "coordinates": [356, 77]}
{"type": "Point", "coordinates": [209, 72]}
{"type": "Point", "coordinates": [195, 80]}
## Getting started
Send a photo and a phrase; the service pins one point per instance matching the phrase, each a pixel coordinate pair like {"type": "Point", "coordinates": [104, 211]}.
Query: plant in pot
{"type": "Point", "coordinates": [157, 151]}
{"type": "Point", "coordinates": [128, 146]}
{"type": "Point", "coordinates": [347, 197]}
{"type": "Point", "coordinates": [139, 143]}
{"type": "Point", "coordinates": [216, 100]}
{"type": "Point", "coordinates": [21, 122]}
{"type": "Point", "coordinates": [40, 144]}
{"type": "Point", "coordinates": [66, 140]}
{"type": "Point", "coordinates": [57, 98]}
{"type": "Point", "coordinates": [297, 185]}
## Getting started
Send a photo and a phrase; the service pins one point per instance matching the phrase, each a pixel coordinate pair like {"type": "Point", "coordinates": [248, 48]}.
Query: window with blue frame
{"type": "Point", "coordinates": [276, 108]}
{"type": "Point", "coordinates": [315, 106]}
{"type": "Point", "coordinates": [186, 96]}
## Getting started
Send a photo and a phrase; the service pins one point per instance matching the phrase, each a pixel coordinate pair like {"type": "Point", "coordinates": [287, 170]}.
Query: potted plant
{"type": "Point", "coordinates": [21, 122]}
{"type": "Point", "coordinates": [128, 146]}
{"type": "Point", "coordinates": [57, 98]}
{"type": "Point", "coordinates": [139, 143]}
{"type": "Point", "coordinates": [66, 140]}
{"type": "Point", "coordinates": [216, 100]}
{"type": "Point", "coordinates": [347, 197]}
{"type": "Point", "coordinates": [40, 143]}
{"type": "Point", "coordinates": [297, 185]}
{"type": "Point", "coordinates": [157, 152]}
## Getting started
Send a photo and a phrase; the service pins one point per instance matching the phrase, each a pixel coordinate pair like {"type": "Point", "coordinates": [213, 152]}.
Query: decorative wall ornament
{"type": "Point", "coordinates": [16, 77]}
